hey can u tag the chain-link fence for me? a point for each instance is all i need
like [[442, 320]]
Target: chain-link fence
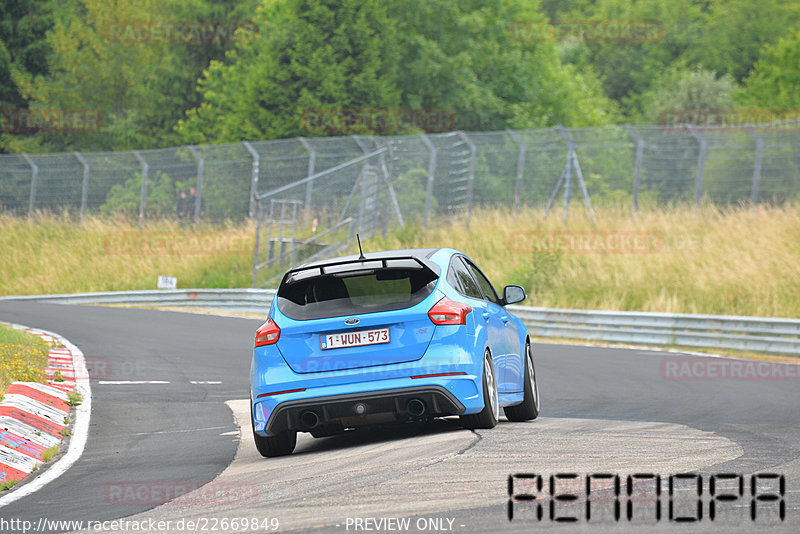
[[434, 174]]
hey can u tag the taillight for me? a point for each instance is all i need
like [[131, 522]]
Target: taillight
[[268, 333], [448, 311]]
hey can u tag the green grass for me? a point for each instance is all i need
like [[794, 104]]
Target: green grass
[[49, 453], [733, 261], [74, 398], [23, 357], [8, 484]]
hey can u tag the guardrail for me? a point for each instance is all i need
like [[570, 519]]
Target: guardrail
[[231, 300], [757, 334]]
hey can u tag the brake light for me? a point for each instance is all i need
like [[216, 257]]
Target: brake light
[[268, 333], [281, 392], [439, 374], [448, 311]]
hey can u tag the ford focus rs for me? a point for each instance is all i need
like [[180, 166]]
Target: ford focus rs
[[393, 336]]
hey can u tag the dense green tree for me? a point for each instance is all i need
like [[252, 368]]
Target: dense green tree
[[23, 46], [683, 92], [735, 32], [480, 59], [723, 36], [133, 62], [775, 82], [308, 56], [630, 66], [458, 58]]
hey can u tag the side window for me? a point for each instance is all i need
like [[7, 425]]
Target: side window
[[486, 286], [453, 279], [462, 281]]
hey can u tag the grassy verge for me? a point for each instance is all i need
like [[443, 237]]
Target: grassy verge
[[55, 254], [23, 357], [733, 261]]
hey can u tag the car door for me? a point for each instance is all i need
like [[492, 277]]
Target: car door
[[487, 311], [508, 357]]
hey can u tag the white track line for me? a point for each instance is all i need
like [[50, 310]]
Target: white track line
[[123, 382], [80, 432]]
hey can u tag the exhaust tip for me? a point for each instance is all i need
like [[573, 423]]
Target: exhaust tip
[[309, 419], [415, 407]]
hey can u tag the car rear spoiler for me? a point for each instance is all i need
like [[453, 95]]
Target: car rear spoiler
[[356, 265]]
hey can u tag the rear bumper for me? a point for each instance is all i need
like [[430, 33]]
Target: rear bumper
[[363, 409]]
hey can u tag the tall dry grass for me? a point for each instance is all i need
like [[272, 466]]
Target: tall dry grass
[[55, 254], [720, 261], [733, 261]]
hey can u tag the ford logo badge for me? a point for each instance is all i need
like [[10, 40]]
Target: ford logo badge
[[352, 321]]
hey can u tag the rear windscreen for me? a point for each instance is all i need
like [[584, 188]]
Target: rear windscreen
[[366, 291]]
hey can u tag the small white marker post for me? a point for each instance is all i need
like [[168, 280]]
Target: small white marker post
[[167, 282]]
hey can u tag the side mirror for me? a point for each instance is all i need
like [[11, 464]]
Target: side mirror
[[513, 294]]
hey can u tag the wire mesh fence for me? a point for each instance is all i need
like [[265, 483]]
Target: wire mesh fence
[[430, 174]]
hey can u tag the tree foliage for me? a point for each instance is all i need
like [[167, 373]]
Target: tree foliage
[[296, 60], [775, 81], [459, 58]]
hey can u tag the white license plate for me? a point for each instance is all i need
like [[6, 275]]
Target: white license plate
[[355, 339]]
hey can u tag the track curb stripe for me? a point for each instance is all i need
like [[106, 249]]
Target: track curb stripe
[[33, 416], [22, 445]]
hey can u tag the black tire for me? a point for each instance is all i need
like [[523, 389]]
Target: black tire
[[528, 409], [280, 445], [486, 418], [269, 447]]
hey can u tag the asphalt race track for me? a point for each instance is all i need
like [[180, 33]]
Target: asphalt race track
[[604, 411]]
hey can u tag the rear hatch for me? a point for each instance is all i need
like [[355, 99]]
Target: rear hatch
[[357, 313]]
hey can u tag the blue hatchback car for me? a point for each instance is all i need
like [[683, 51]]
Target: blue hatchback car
[[393, 336]]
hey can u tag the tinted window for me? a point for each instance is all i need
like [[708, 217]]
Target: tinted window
[[486, 286], [362, 292], [465, 283], [452, 279]]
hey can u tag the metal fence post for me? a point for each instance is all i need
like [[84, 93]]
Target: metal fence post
[[471, 185], [756, 166], [701, 164], [85, 186], [254, 179], [520, 168], [431, 173], [34, 182], [198, 202], [143, 192], [312, 164], [258, 242], [637, 177]]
